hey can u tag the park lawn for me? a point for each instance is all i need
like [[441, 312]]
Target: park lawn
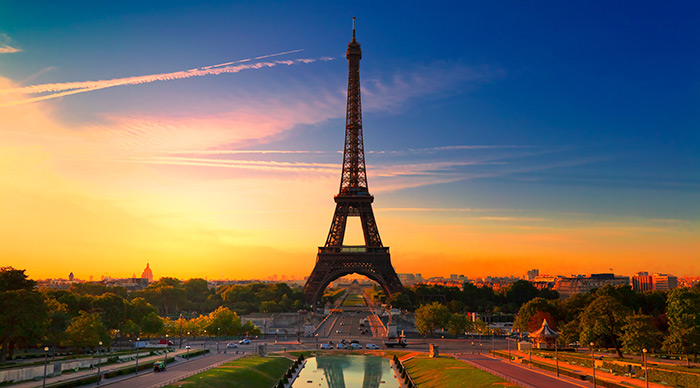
[[354, 300], [447, 372], [246, 372]]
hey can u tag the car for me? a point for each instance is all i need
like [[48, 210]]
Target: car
[[341, 346], [231, 345], [338, 331], [244, 341], [325, 346], [371, 346], [355, 346]]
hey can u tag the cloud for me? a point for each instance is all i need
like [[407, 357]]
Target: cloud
[[5, 47], [56, 90]]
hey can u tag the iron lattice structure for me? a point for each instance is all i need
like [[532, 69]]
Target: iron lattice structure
[[353, 200]]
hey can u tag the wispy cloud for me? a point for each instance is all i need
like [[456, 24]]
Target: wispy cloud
[[5, 47], [260, 165], [56, 90]]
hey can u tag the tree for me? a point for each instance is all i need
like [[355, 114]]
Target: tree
[[638, 333], [14, 280], [683, 314], [152, 324], [223, 321], [86, 330], [23, 311], [531, 308], [431, 317], [459, 324], [602, 321], [112, 310]]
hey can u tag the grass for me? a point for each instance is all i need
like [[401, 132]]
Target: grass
[[446, 372], [246, 372], [354, 300]]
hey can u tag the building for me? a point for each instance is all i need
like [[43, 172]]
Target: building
[[533, 273], [664, 282], [583, 284], [642, 282], [147, 273]]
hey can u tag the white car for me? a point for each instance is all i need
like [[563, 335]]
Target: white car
[[244, 341], [325, 346], [231, 345], [341, 346], [371, 346], [355, 346]]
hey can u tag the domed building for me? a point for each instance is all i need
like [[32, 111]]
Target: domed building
[[147, 274]]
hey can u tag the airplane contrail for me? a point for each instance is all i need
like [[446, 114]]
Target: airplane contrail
[[68, 88]]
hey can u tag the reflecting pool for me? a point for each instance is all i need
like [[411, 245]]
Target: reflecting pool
[[346, 371]]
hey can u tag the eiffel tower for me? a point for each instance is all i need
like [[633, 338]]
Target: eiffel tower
[[335, 259]]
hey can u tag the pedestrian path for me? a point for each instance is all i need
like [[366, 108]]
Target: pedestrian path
[[103, 369]]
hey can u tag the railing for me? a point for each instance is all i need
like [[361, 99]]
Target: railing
[[353, 249]]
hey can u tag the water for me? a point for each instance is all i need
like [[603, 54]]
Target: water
[[345, 371]]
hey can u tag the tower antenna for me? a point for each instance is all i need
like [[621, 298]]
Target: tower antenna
[[353, 28]]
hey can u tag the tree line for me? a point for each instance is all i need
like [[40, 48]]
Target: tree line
[[611, 316], [88, 313]]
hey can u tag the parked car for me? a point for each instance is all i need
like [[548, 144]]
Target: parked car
[[341, 346], [338, 331], [355, 346], [244, 341], [326, 346], [371, 346], [231, 345]]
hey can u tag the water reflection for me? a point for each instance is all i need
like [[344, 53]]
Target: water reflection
[[347, 371]]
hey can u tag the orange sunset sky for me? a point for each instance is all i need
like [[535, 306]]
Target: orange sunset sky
[[207, 142]]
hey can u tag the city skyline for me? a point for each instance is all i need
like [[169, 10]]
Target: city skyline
[[207, 139]]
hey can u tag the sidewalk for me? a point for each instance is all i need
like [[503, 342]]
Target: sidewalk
[[624, 380], [103, 369]]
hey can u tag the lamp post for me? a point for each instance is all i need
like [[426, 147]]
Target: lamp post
[[646, 371], [188, 352], [205, 334], [46, 360], [98, 363], [556, 355], [510, 359], [138, 339], [481, 347], [218, 329], [530, 353], [166, 351], [493, 340], [593, 359]]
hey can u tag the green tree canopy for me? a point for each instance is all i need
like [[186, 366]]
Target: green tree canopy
[[431, 317], [638, 333], [602, 321], [683, 314], [87, 330]]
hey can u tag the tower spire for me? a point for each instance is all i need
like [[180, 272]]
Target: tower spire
[[353, 28]]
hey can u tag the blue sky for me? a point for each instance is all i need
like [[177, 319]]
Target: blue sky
[[570, 114]]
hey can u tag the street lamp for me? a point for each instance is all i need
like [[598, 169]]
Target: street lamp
[[493, 340], [556, 355], [46, 360], [593, 359], [137, 354], [646, 371], [510, 358], [205, 334], [98, 363], [166, 351], [188, 352], [218, 329]]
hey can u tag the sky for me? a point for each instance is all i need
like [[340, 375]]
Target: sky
[[206, 138]]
